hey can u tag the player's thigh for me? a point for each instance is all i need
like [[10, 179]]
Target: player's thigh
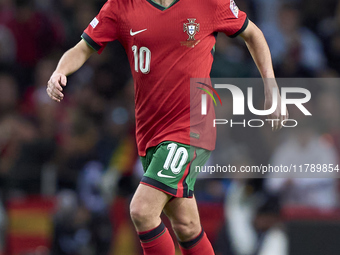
[[147, 203], [184, 217]]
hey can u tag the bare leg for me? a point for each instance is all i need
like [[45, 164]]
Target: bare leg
[[184, 218], [146, 207], [185, 221]]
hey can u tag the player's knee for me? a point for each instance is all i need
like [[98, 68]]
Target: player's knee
[[186, 230], [139, 213]]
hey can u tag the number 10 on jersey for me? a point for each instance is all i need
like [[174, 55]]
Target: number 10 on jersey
[[142, 58]]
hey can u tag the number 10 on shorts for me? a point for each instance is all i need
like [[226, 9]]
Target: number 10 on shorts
[[176, 158]]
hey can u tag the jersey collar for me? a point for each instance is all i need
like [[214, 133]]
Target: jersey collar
[[161, 7]]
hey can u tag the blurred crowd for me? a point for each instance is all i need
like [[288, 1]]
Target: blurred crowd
[[83, 151]]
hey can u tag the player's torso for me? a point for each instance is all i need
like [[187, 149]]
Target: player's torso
[[165, 49]]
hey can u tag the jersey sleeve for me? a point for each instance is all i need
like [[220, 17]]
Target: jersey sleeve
[[103, 28], [229, 19]]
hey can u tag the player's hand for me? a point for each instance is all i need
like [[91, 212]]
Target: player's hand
[[55, 86], [276, 118]]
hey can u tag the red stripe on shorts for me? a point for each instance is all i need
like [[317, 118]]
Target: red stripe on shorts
[[186, 172]]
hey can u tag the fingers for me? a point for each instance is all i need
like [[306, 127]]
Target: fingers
[[276, 121], [277, 125], [54, 88], [284, 118], [281, 119], [56, 85], [54, 94], [63, 80], [49, 93]]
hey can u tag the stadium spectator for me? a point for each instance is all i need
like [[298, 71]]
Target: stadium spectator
[[296, 50], [305, 147]]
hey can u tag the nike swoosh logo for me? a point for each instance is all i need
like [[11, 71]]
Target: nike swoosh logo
[[137, 32], [159, 174]]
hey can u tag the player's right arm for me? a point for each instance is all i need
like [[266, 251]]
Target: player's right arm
[[102, 29], [70, 62]]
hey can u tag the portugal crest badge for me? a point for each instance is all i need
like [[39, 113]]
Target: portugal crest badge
[[191, 28]]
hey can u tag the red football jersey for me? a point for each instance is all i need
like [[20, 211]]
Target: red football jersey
[[166, 47]]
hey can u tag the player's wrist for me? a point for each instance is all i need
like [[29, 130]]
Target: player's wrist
[[269, 84], [58, 72], [269, 87]]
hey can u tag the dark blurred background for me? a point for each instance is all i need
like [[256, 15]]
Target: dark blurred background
[[68, 170]]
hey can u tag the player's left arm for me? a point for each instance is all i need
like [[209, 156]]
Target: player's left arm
[[259, 50]]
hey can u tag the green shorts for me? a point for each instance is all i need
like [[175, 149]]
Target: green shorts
[[170, 167]]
